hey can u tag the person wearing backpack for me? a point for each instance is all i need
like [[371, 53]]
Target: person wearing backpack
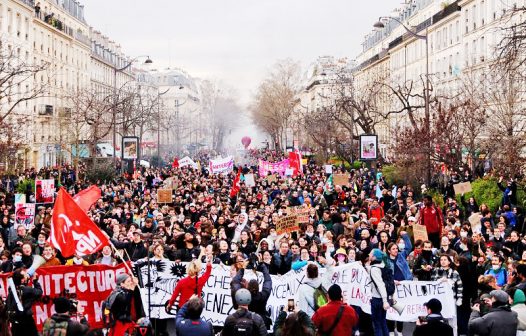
[[61, 324], [243, 322], [335, 318], [119, 303], [189, 322], [312, 294], [380, 286]]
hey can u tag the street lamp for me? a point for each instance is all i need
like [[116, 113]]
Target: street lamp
[[427, 119], [115, 71]]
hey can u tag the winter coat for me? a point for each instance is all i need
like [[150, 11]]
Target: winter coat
[[74, 328], [435, 326], [259, 327], [499, 321], [501, 275], [377, 284], [305, 293], [401, 259], [454, 278], [519, 306], [188, 327]]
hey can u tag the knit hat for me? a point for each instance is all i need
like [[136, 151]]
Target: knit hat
[[499, 296], [519, 297], [378, 254], [121, 278]]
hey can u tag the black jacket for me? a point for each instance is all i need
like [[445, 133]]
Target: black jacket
[[136, 251], [435, 326], [260, 329], [74, 328], [28, 295]]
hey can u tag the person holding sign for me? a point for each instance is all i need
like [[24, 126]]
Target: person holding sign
[[192, 284]]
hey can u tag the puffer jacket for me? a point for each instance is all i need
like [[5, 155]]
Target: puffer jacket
[[499, 321]]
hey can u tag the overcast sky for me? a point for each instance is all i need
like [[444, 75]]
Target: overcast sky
[[236, 41]]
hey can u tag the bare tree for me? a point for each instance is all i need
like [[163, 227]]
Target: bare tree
[[20, 81], [511, 49], [273, 104]]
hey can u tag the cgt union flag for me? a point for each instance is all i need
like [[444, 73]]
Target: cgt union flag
[[71, 229]]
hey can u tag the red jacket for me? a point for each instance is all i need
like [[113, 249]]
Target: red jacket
[[324, 317], [431, 217], [186, 287], [377, 213]]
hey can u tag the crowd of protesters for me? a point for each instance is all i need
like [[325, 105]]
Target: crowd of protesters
[[480, 252]]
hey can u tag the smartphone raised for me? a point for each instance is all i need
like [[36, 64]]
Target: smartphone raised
[[290, 305]]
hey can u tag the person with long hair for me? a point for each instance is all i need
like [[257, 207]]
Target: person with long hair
[[192, 284], [294, 324]]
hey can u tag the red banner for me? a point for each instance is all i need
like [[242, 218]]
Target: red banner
[[88, 285]]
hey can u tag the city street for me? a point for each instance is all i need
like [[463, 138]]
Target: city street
[[277, 167]]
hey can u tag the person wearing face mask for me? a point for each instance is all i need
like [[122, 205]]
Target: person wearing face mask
[[425, 262], [41, 242], [17, 259], [77, 260], [498, 271], [49, 255]]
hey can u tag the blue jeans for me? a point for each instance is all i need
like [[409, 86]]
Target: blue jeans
[[378, 314]]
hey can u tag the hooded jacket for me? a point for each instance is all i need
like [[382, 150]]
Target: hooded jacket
[[519, 306], [305, 293], [499, 321]]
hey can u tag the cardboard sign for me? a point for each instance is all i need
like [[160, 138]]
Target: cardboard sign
[[302, 214], [462, 188], [164, 196], [341, 179], [419, 232], [287, 224]]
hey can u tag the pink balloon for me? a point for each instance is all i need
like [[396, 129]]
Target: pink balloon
[[246, 141]]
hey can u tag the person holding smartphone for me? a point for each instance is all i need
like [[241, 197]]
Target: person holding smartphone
[[433, 323]]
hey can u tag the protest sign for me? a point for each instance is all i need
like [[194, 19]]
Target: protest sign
[[187, 162], [328, 169], [89, 285], [419, 232], [302, 215], [45, 191], [25, 215], [265, 167], [221, 165], [287, 224], [462, 188], [249, 180], [353, 278], [20, 198], [164, 196], [341, 179]]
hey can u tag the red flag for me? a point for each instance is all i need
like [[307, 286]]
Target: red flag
[[71, 229], [236, 186], [175, 164], [295, 163], [85, 198]]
